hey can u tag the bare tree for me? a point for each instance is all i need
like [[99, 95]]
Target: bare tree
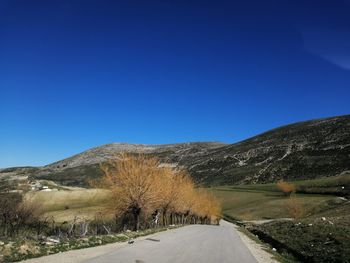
[[139, 185], [133, 184], [295, 207]]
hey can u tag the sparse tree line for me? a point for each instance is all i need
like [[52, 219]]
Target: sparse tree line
[[147, 194], [142, 194]]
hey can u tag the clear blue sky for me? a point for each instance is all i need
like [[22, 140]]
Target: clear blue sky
[[77, 74]]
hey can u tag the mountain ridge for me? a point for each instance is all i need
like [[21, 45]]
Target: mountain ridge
[[302, 150]]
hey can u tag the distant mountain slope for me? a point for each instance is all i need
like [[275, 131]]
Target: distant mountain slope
[[75, 170], [169, 152], [302, 150]]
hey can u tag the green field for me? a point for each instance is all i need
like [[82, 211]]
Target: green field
[[265, 201], [322, 235], [334, 182], [250, 204]]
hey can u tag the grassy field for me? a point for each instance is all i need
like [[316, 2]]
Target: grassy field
[[250, 204], [326, 182], [65, 205], [242, 202], [265, 201]]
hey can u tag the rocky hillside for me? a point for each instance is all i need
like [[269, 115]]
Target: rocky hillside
[[298, 151], [303, 150], [76, 169]]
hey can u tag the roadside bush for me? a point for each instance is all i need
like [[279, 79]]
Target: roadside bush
[[9, 203], [18, 215], [295, 207]]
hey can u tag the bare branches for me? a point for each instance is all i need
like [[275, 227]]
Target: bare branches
[[295, 207], [139, 185]]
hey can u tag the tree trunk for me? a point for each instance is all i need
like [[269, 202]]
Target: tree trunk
[[164, 218], [136, 221]]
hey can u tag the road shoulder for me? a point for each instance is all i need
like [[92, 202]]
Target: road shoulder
[[83, 254], [257, 250]]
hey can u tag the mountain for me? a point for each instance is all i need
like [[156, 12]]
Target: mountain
[[302, 150], [76, 169]]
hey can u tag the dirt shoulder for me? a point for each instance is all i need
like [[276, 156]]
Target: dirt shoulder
[[261, 255]]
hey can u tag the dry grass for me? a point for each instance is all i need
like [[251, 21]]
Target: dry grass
[[87, 213], [65, 205]]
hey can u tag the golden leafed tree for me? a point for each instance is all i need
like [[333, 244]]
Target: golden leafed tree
[[170, 181], [286, 188], [140, 185], [133, 181], [187, 198], [207, 206]]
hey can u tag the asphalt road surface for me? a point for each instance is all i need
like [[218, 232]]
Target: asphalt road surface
[[189, 244]]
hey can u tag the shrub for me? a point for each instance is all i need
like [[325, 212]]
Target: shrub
[[286, 188], [295, 207]]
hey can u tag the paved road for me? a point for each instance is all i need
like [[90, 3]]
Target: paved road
[[190, 244]]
